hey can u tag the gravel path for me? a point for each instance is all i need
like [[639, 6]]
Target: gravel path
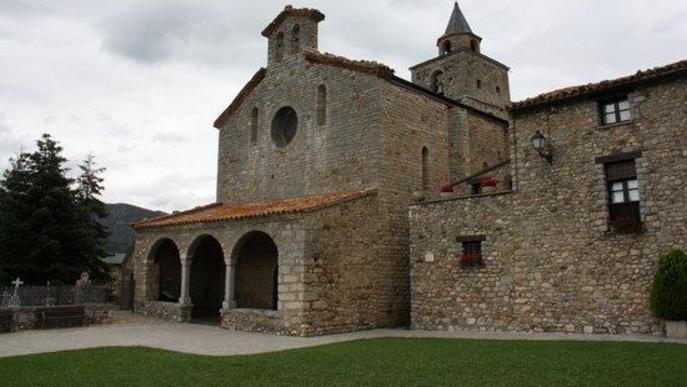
[[134, 330]]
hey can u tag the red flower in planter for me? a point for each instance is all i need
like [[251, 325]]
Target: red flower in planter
[[488, 182], [471, 258], [447, 188]]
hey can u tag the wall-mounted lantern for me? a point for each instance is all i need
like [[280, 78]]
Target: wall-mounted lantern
[[541, 145]]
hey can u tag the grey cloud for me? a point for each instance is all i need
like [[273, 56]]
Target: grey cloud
[[162, 31]]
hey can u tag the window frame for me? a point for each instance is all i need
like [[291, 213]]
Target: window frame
[[623, 215], [617, 112]]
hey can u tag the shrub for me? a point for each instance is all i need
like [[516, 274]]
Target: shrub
[[669, 290], [488, 182]]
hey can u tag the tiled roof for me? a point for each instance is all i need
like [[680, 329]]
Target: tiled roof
[[576, 91], [290, 11], [363, 66], [220, 212], [243, 94]]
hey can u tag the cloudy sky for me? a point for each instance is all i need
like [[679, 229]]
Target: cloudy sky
[[139, 82]]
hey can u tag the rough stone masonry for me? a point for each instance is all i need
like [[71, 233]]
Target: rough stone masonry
[[321, 156]]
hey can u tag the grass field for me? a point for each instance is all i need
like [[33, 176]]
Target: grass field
[[390, 362]]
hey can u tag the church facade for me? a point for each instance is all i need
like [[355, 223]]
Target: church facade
[[329, 216]]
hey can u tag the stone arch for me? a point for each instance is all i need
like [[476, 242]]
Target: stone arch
[[206, 282], [321, 105], [426, 180], [165, 273], [279, 47], [256, 257], [254, 126], [296, 39], [438, 82]]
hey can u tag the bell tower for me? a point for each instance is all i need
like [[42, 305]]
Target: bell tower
[[461, 72]]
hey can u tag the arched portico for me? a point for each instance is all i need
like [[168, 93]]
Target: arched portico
[[206, 280], [256, 272], [165, 273]]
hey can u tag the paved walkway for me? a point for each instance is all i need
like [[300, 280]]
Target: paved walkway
[[135, 330]]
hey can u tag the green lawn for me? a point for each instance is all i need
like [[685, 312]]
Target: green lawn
[[391, 362]]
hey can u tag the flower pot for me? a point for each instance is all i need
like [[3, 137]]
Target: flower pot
[[488, 189], [676, 329]]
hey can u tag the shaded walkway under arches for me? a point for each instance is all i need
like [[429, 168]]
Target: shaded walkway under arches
[[207, 278], [167, 274], [257, 270]]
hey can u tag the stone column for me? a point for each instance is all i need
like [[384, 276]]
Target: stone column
[[229, 302], [185, 299]]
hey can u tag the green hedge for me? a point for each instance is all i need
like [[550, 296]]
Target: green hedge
[[669, 291]]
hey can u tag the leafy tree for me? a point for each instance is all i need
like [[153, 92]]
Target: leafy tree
[[46, 228], [669, 291]]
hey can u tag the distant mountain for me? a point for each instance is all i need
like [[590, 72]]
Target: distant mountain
[[118, 224]]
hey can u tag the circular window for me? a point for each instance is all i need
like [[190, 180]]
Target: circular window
[[284, 126]]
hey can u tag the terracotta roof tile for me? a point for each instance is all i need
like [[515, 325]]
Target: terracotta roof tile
[[290, 11], [363, 66], [575, 91], [220, 212]]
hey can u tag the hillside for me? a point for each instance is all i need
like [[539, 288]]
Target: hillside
[[117, 222]]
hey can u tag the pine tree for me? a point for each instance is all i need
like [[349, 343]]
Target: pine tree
[[46, 227], [94, 211]]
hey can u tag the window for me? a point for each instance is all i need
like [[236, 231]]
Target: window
[[322, 105], [447, 47], [498, 90], [623, 190], [479, 83], [279, 47], [254, 126], [615, 111], [473, 45], [296, 39], [426, 185], [471, 246], [438, 82], [476, 188], [284, 126]]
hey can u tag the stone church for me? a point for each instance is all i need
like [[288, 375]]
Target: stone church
[[329, 217]]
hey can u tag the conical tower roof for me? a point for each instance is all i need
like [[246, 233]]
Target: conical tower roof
[[458, 24]]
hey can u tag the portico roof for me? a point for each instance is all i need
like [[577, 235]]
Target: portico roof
[[219, 212]]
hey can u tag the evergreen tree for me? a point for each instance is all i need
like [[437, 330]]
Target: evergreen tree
[[94, 211], [46, 227]]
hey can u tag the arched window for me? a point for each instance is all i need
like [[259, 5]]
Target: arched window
[[438, 82], [254, 127], [473, 45], [284, 126], [426, 184], [296, 39], [279, 47], [447, 47], [322, 105]]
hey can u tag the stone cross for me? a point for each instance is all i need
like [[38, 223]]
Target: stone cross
[[17, 283]]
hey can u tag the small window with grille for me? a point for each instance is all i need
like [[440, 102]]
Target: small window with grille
[[471, 254]]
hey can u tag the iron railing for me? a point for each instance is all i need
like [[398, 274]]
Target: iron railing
[[52, 295]]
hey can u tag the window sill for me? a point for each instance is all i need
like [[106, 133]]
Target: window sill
[[619, 124]]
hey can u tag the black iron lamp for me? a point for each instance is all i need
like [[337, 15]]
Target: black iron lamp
[[541, 145]]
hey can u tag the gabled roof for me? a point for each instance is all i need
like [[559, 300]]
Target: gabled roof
[[312, 14], [362, 66], [243, 94], [221, 212], [600, 87], [457, 24]]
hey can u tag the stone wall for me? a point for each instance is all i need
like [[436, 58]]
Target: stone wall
[[462, 69], [339, 156], [551, 260], [30, 317]]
